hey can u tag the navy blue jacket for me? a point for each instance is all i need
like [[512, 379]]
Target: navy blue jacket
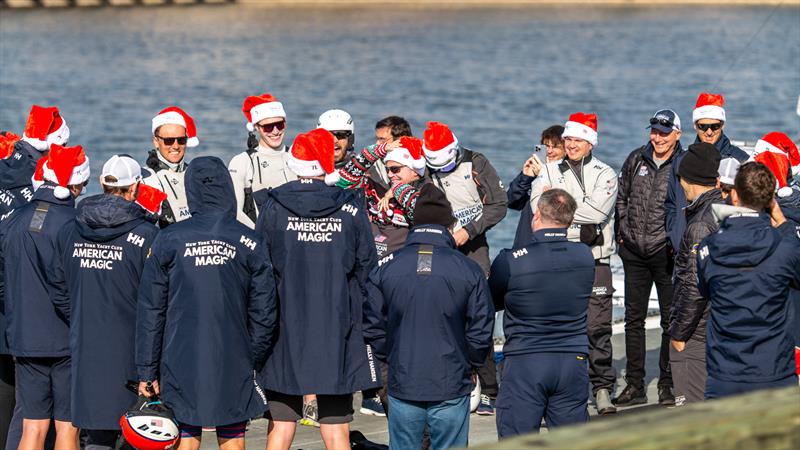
[[544, 288], [206, 307], [16, 172], [519, 198], [676, 198], [429, 314], [320, 243], [27, 247], [790, 206], [95, 277], [746, 271]]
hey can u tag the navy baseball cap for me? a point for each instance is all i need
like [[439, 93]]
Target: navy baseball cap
[[665, 121]]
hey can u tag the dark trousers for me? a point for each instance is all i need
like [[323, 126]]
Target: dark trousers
[[487, 374], [6, 396], [640, 274], [598, 327], [689, 372]]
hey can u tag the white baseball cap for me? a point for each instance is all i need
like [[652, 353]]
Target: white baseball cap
[[728, 168], [124, 168]]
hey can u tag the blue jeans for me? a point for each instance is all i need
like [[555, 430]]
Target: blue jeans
[[448, 422]]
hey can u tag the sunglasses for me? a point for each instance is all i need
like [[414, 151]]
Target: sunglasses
[[271, 126], [664, 122], [707, 126], [394, 169], [171, 140], [341, 134]]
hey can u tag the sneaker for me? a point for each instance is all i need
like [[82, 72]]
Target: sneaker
[[603, 402], [310, 414], [665, 396], [486, 406], [372, 407], [630, 396]]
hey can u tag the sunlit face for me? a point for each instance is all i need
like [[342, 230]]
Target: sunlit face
[[271, 131], [664, 142], [167, 140], [709, 135], [576, 148], [383, 135], [341, 140], [400, 174], [555, 150]]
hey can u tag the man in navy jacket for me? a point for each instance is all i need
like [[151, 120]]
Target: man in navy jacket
[[544, 288], [35, 333], [319, 239], [95, 276], [746, 271], [206, 313], [429, 315]]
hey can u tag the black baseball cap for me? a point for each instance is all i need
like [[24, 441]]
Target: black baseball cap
[[665, 120]]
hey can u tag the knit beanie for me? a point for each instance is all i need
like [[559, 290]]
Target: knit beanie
[[700, 165], [432, 207]]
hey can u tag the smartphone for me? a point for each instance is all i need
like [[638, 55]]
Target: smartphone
[[540, 148]]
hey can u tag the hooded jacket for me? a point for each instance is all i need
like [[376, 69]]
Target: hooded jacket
[[206, 307], [430, 315], [16, 172], [170, 180], [689, 309], [320, 243], [790, 206], [33, 326], [675, 201], [746, 271], [640, 202], [544, 288], [95, 277]]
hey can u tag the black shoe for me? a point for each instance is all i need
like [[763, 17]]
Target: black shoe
[[665, 396], [630, 396]]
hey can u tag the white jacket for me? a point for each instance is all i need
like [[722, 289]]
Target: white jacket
[[596, 196], [262, 169]]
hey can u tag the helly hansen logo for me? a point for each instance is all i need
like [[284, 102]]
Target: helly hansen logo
[[135, 239], [348, 208], [249, 243], [520, 252], [704, 252], [386, 259]]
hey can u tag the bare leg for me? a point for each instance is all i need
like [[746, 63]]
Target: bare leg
[[34, 433], [335, 436], [231, 444], [281, 434], [66, 436], [189, 443]]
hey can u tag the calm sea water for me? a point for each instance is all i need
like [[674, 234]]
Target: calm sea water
[[497, 76]]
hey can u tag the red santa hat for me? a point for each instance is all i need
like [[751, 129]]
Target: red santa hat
[[408, 154], [709, 106], [439, 145], [259, 107], [150, 198], [581, 126], [777, 151], [45, 126], [777, 141], [7, 141], [65, 166], [37, 180], [312, 156], [176, 116]]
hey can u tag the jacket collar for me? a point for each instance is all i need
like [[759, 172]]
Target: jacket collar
[[746, 219], [432, 235], [45, 194], [712, 196], [550, 235], [156, 162], [647, 152], [563, 166]]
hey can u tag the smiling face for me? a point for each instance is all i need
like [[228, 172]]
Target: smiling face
[[576, 148], [555, 150], [341, 142], [663, 143], [709, 135], [400, 174], [383, 135], [172, 134], [271, 132]]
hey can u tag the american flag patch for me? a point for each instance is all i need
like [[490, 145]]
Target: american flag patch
[[156, 423]]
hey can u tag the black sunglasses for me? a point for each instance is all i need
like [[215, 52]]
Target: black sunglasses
[[267, 128], [341, 134], [171, 140], [394, 169], [665, 122], [706, 126]]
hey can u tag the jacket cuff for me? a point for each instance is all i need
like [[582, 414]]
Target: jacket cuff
[[147, 373], [470, 229]]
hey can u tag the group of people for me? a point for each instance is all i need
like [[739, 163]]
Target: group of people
[[295, 276]]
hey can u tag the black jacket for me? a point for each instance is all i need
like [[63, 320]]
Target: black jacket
[[319, 240], [430, 315], [689, 310], [519, 199], [96, 273], [640, 201], [206, 307], [16, 172]]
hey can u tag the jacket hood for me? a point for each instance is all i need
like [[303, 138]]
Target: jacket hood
[[745, 240], [104, 217], [311, 198], [16, 170], [790, 206], [209, 188], [432, 235]]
